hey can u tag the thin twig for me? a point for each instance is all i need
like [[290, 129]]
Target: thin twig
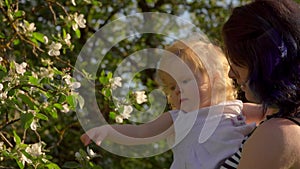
[[52, 11], [62, 132], [4, 138], [9, 123], [62, 7], [39, 137], [24, 135]]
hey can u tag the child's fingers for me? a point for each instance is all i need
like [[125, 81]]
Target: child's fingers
[[85, 139], [96, 134], [98, 139]]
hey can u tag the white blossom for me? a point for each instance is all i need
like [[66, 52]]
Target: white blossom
[[77, 155], [47, 62], [27, 27], [90, 152], [46, 72], [1, 59], [140, 97], [67, 39], [67, 79], [3, 95], [1, 86], [126, 112], [33, 125], [74, 26], [21, 68], [79, 21], [72, 85], [35, 149], [119, 119], [75, 85], [73, 2], [30, 27], [54, 49], [115, 82], [45, 40], [34, 74], [20, 92], [65, 108], [25, 159]]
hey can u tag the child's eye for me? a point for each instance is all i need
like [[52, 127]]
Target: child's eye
[[185, 81]]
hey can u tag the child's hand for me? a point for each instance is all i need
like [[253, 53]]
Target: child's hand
[[97, 134]]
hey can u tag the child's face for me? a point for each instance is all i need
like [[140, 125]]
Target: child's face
[[185, 89]]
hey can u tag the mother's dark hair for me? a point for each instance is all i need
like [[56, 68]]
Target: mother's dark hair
[[265, 37]]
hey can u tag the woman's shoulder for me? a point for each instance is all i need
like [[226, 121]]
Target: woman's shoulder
[[274, 143], [280, 130], [280, 127]]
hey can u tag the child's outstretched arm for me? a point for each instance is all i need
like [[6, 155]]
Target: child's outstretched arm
[[131, 134]]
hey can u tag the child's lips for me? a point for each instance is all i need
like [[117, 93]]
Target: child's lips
[[182, 100]]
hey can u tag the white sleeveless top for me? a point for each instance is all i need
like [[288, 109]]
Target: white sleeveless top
[[227, 130]]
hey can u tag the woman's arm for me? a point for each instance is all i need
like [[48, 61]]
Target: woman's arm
[[131, 134]]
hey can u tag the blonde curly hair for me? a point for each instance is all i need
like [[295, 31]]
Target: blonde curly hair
[[207, 59]]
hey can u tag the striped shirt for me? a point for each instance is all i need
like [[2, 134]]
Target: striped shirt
[[233, 161]]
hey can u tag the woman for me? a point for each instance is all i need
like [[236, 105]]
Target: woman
[[262, 43]]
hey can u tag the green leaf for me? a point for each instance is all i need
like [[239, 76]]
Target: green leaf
[[26, 100], [8, 2], [11, 92], [71, 100], [26, 119], [109, 75], [33, 80], [2, 75], [103, 80], [16, 41], [52, 112], [3, 68], [64, 33], [34, 41], [16, 138], [38, 36], [59, 106], [20, 164], [19, 13], [106, 92], [78, 33], [52, 166], [41, 116], [62, 98], [2, 36], [112, 115], [71, 164]]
